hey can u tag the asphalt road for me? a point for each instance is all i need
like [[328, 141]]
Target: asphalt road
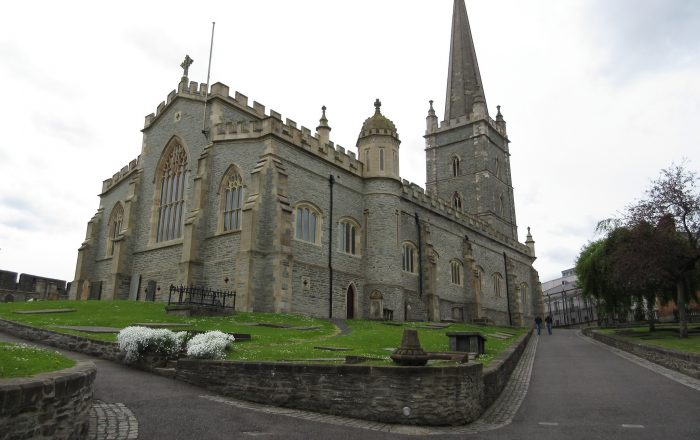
[[577, 390]]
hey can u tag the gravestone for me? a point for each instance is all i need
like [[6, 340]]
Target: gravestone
[[134, 287], [151, 290], [95, 290]]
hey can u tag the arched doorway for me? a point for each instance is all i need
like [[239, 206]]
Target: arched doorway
[[350, 302]]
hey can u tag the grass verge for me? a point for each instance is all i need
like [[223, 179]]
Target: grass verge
[[372, 339], [20, 360], [666, 336]]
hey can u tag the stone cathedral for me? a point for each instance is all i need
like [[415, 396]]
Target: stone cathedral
[[291, 222]]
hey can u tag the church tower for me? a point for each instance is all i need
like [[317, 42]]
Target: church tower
[[467, 154]]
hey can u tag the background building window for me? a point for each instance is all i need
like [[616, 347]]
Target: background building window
[[171, 203], [456, 267]]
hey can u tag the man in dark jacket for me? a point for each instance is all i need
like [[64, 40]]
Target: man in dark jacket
[[538, 324]]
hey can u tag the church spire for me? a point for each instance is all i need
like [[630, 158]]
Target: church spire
[[464, 88]]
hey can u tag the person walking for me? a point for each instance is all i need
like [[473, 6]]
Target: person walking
[[548, 321], [538, 324]]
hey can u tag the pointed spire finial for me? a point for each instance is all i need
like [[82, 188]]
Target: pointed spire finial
[[464, 87], [499, 118], [323, 127]]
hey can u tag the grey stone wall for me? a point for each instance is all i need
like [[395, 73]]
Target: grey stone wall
[[433, 396], [102, 349], [686, 363], [375, 204], [51, 405], [497, 374]]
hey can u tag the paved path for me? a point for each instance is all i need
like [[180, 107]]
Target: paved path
[[566, 386]]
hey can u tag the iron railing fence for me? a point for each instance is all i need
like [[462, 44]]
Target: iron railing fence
[[202, 296]]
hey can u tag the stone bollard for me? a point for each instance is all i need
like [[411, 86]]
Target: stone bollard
[[410, 352]]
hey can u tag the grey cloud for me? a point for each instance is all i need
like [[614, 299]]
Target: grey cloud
[[644, 36], [74, 132]]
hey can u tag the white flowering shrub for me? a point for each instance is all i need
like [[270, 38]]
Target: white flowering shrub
[[135, 341], [209, 345]]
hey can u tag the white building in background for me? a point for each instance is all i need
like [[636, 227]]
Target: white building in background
[[565, 302]]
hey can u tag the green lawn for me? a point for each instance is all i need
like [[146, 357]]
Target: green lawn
[[20, 360], [666, 335], [367, 338]]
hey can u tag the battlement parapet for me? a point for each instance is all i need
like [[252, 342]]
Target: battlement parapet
[[120, 175], [288, 130], [271, 123], [431, 201], [463, 120]]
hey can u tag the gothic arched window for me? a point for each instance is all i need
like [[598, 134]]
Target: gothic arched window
[[410, 256], [170, 191], [457, 201], [456, 166], [456, 270], [349, 236], [231, 191], [497, 285], [308, 223], [115, 226], [524, 298]]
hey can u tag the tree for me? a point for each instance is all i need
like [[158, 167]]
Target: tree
[[642, 262], [594, 271], [673, 203]]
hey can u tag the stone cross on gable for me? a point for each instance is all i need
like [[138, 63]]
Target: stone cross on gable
[[186, 65]]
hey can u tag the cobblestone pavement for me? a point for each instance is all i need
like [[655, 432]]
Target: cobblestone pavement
[[688, 381], [498, 415], [112, 421]]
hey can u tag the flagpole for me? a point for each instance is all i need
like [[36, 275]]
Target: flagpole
[[206, 97]]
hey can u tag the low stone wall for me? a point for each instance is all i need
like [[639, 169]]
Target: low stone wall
[[685, 363], [406, 395], [498, 372], [49, 405], [102, 349]]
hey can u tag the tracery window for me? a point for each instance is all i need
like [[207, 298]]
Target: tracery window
[[171, 203], [456, 270], [455, 166], [349, 236], [115, 226], [231, 199], [307, 223], [410, 255]]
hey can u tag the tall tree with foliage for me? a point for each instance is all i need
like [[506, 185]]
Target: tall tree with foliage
[[674, 198], [594, 271]]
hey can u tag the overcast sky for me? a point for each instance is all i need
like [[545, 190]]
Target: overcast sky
[[599, 95]]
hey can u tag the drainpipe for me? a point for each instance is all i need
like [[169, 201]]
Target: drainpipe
[[331, 181], [505, 265], [420, 259]]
